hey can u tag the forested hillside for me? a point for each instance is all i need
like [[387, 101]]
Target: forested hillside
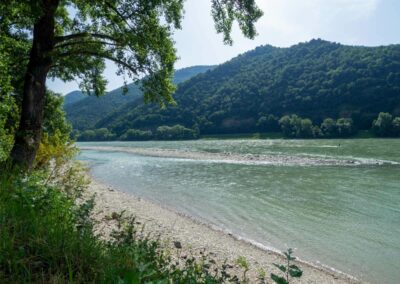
[[84, 112], [73, 97], [314, 80]]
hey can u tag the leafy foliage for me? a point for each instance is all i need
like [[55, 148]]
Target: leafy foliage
[[136, 35], [8, 118], [137, 135], [386, 126], [47, 237], [176, 132], [225, 12], [101, 134], [289, 270], [295, 127], [244, 264], [72, 40]]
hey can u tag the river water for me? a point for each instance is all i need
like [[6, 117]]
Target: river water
[[336, 201]]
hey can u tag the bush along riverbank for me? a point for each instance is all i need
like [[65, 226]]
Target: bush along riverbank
[[288, 126], [47, 236]]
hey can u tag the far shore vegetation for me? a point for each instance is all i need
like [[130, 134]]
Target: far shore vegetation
[[291, 127]]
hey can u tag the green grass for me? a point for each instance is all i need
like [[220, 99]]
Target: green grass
[[45, 237]]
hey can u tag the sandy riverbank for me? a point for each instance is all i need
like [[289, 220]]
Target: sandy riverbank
[[196, 237]]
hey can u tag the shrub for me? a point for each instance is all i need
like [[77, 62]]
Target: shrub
[[8, 124], [101, 134], [176, 132], [328, 128], [47, 236], [344, 127], [268, 123], [382, 125], [295, 127], [396, 126], [137, 135], [289, 270]]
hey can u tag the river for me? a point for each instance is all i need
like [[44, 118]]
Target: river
[[336, 201]]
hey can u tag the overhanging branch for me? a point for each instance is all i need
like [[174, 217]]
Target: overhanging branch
[[101, 55], [118, 13], [83, 42], [59, 39]]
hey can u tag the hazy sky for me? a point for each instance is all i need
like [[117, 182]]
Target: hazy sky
[[285, 22]]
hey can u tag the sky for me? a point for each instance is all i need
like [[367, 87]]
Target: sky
[[285, 23]]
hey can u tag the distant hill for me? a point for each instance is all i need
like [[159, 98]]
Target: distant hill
[[316, 80], [73, 97], [84, 112], [184, 74]]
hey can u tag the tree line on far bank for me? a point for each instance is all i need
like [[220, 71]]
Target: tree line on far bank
[[176, 132], [290, 126]]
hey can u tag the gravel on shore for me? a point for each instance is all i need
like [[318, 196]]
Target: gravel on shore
[[197, 238], [234, 158]]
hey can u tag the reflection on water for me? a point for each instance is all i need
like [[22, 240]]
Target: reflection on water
[[340, 216]]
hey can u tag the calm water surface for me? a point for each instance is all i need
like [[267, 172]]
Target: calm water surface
[[346, 217]]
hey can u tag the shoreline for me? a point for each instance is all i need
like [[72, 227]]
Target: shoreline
[[199, 237]]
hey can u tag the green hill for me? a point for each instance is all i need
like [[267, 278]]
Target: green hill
[[315, 80], [73, 97], [251, 92], [84, 112]]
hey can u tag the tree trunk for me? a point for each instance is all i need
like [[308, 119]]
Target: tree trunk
[[29, 133]]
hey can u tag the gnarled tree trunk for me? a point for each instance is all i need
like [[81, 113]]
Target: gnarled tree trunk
[[29, 133]]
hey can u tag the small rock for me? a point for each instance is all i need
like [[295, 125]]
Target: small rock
[[114, 215], [177, 245]]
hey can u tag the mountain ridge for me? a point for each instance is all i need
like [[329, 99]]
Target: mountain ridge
[[83, 117], [316, 79]]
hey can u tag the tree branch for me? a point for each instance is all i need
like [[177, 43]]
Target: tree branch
[[115, 10], [59, 39], [105, 56], [71, 43]]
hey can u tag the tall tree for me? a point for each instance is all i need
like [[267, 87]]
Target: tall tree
[[382, 126], [71, 39]]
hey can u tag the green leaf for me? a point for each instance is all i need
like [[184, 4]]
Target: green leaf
[[295, 271], [131, 277], [289, 256], [278, 280], [281, 267]]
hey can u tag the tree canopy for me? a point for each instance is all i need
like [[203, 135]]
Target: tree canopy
[[71, 39], [134, 34]]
